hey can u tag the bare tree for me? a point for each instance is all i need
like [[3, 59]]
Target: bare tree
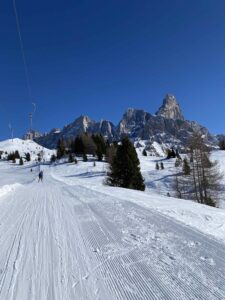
[[202, 181], [205, 174]]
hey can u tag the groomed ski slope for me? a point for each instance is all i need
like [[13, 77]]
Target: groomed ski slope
[[72, 238]]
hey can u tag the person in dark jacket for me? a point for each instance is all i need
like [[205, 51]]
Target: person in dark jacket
[[40, 176]]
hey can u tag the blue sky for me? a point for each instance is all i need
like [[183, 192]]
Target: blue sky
[[100, 57]]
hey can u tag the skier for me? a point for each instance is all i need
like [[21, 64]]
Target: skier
[[40, 176]]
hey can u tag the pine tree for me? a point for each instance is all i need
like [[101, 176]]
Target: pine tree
[[125, 168], [89, 144], [100, 144], [177, 163], [186, 168], [78, 146], [144, 152], [27, 155], [99, 155], [168, 153], [110, 153], [17, 155], [157, 166], [53, 158], [222, 143], [61, 150], [70, 158], [171, 153], [11, 156]]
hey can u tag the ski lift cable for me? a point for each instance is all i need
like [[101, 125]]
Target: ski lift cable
[[22, 50]]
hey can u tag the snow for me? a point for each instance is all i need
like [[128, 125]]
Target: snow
[[24, 146], [207, 219], [159, 149], [5, 189], [72, 237]]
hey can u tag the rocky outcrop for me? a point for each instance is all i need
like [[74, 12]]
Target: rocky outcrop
[[170, 109], [133, 123], [105, 128]]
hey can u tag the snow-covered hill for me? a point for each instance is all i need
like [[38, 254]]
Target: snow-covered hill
[[24, 146], [162, 181]]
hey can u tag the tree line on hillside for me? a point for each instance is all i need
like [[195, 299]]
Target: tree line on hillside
[[13, 156], [83, 145], [197, 177], [124, 165]]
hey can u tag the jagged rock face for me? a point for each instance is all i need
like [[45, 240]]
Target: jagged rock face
[[48, 140], [167, 126], [133, 123], [170, 109], [105, 128], [79, 126], [140, 124]]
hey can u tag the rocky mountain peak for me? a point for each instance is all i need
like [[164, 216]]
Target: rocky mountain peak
[[83, 119], [83, 122], [167, 126], [136, 115], [170, 108]]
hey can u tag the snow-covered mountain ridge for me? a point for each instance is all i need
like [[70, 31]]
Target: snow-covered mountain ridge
[[167, 126]]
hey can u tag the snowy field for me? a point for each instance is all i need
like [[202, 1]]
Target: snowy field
[[24, 146], [72, 237]]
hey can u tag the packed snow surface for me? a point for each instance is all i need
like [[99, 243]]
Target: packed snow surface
[[71, 237]]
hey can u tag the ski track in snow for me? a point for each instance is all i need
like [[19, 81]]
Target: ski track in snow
[[70, 242]]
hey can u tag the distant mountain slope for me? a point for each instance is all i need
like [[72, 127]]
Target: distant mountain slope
[[24, 146], [167, 126]]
